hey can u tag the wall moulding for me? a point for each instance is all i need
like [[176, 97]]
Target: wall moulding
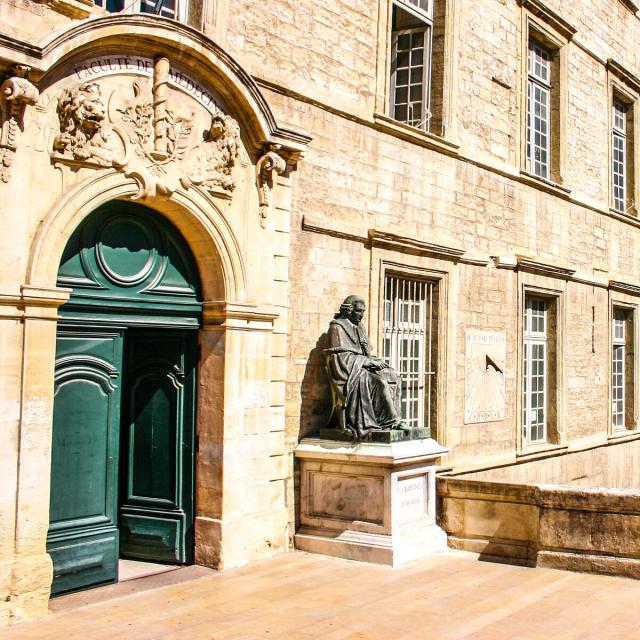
[[628, 78], [550, 17], [553, 271], [238, 316], [624, 287]]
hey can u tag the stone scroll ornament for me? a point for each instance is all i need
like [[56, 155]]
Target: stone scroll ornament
[[366, 390], [268, 165], [144, 135], [16, 93]]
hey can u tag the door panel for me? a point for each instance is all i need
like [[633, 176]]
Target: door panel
[[156, 516], [82, 537]]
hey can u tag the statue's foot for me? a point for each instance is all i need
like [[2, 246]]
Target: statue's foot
[[402, 426]]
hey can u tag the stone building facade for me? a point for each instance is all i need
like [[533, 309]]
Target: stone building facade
[[232, 171]]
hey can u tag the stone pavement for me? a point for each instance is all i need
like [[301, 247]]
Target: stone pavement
[[301, 596]]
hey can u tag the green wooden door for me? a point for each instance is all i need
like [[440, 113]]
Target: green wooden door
[[123, 418], [83, 534], [156, 514]]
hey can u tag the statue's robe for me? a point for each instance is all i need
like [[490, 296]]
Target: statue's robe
[[372, 398]]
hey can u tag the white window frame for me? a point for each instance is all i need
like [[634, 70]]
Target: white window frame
[[415, 328], [618, 376], [538, 84], [619, 165], [535, 339], [426, 29]]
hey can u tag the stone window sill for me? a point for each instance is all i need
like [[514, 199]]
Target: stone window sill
[[542, 183], [407, 132], [544, 450], [623, 436], [632, 215]]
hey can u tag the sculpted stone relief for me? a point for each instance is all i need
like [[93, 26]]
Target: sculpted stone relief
[[16, 93], [159, 141]]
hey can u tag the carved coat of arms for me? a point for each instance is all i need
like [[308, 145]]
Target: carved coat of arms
[[145, 135]]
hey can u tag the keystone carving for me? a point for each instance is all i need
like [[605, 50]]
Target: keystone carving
[[147, 138], [16, 93], [270, 164], [85, 132]]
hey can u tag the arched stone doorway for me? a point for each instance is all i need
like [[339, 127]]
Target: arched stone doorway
[[122, 472]]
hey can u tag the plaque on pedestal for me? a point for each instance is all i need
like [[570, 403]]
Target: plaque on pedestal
[[369, 501]]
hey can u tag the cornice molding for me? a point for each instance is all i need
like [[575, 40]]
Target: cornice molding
[[624, 287], [553, 271], [550, 17]]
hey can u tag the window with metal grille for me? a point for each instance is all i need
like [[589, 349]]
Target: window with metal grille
[[618, 369], [538, 109], [166, 8], [410, 344], [535, 370], [411, 41]]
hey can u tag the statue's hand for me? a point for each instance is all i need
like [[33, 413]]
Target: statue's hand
[[375, 364]]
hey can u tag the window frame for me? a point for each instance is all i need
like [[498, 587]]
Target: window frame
[[427, 62], [554, 35], [543, 85], [531, 340], [536, 284], [619, 134], [630, 423], [623, 90]]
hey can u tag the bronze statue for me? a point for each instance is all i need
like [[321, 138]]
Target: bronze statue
[[366, 390]]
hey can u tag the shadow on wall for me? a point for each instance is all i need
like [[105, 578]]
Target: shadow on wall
[[315, 401]]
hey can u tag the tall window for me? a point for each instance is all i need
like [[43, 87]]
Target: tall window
[[410, 330], [622, 369], [622, 161], [166, 8], [412, 32], [539, 110], [535, 369]]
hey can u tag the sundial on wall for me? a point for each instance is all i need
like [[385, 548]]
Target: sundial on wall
[[484, 376]]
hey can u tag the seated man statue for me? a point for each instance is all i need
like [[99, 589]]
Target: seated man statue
[[366, 389]]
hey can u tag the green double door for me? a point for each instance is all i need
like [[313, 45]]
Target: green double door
[[122, 469]]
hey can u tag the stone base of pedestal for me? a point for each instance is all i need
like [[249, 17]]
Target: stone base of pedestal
[[372, 502]]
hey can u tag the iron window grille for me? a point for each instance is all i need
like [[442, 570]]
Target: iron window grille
[[409, 341]]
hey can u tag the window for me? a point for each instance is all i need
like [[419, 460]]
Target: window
[[166, 8], [622, 165], [535, 370], [410, 331], [417, 70], [539, 110], [622, 369]]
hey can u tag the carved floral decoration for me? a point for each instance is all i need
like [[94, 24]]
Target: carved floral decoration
[[16, 92], [146, 138]]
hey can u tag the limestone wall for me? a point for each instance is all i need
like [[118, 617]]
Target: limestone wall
[[572, 528]]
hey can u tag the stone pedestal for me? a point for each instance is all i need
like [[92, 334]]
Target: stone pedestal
[[369, 501]]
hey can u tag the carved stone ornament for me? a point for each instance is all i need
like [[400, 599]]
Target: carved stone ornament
[[145, 136], [16, 93], [268, 165]]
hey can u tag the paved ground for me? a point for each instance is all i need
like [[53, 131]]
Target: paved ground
[[303, 596]]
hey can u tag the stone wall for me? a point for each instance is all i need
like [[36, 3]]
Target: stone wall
[[572, 528]]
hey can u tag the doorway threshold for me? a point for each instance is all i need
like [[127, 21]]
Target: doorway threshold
[[169, 575], [134, 569]]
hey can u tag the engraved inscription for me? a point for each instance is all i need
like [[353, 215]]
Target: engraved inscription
[[412, 497]]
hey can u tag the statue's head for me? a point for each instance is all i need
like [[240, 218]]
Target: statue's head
[[353, 308], [82, 108]]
